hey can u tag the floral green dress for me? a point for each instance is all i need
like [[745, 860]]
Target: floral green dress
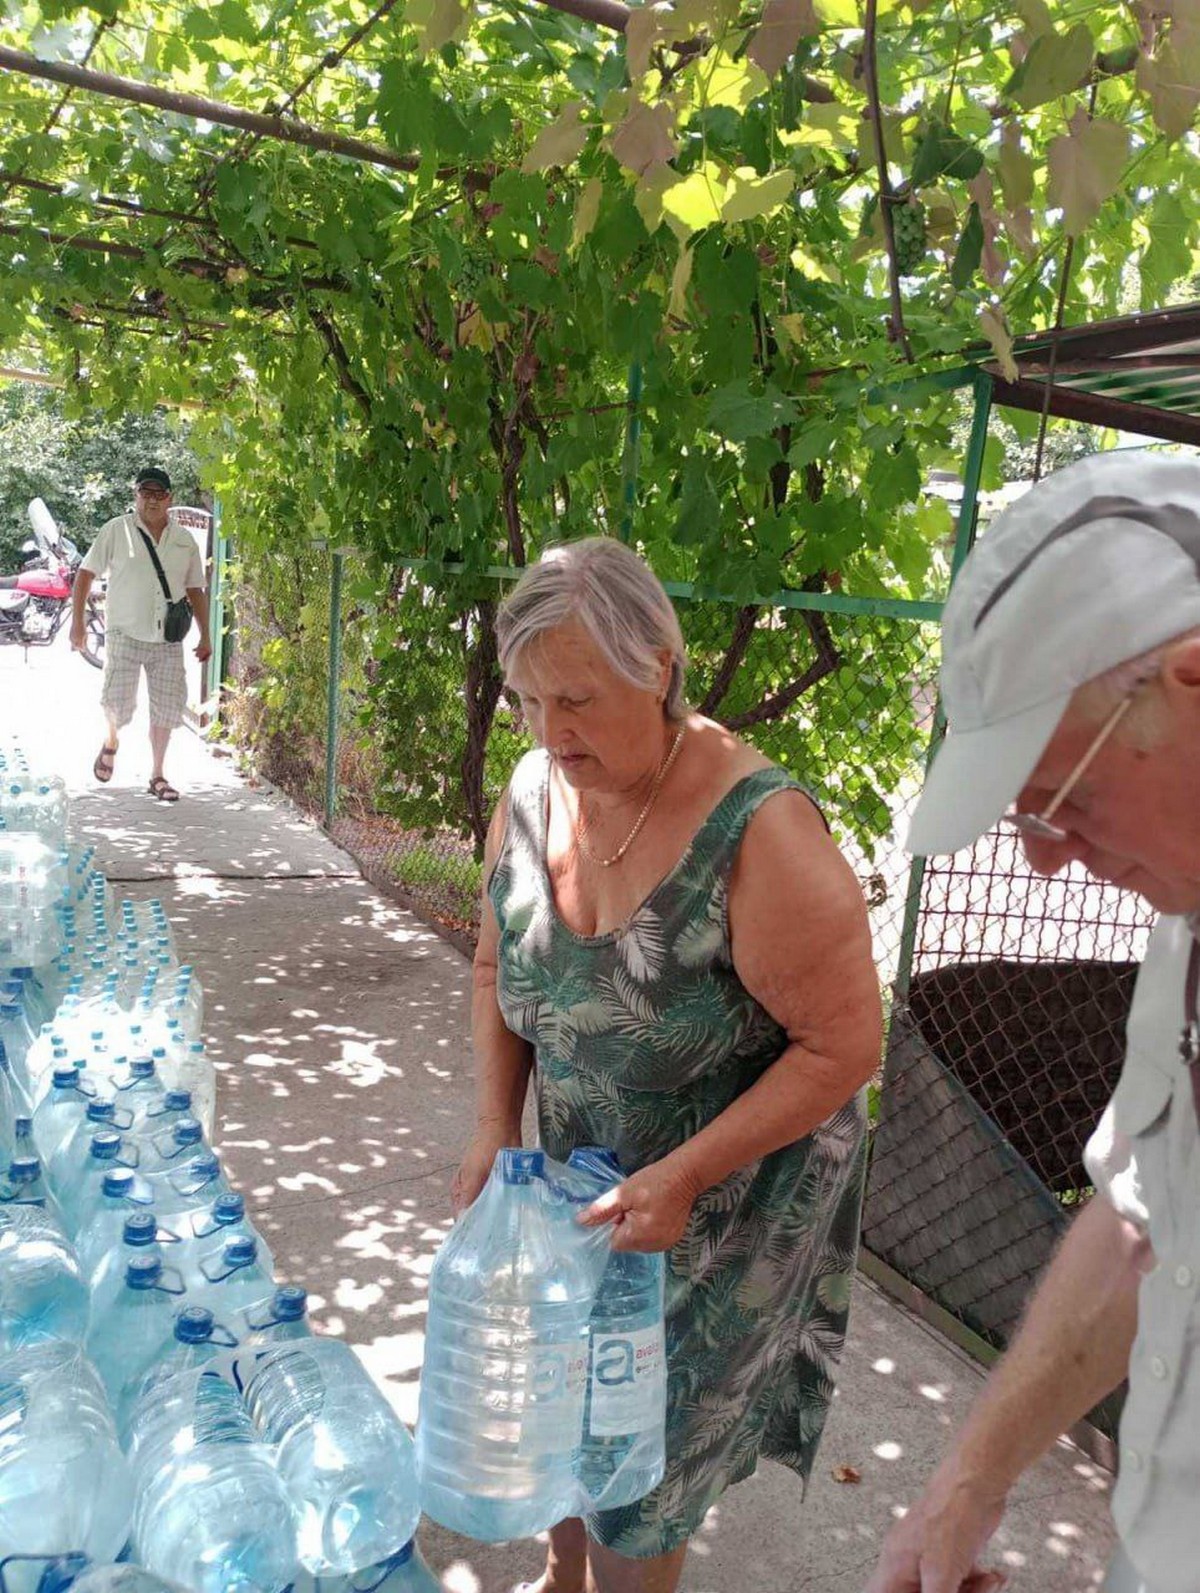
[[641, 1038]]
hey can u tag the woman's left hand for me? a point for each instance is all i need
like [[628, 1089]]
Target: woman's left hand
[[649, 1211]]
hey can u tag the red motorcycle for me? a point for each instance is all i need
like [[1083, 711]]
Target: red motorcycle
[[36, 603]]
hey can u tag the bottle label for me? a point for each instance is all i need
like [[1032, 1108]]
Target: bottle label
[[552, 1419], [628, 1382]]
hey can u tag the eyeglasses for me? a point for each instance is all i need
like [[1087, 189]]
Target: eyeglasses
[[1038, 825], [153, 492]]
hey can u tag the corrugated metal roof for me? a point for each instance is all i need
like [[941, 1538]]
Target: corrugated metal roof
[[1140, 374]]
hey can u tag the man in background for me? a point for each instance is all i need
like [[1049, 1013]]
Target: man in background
[[136, 611]]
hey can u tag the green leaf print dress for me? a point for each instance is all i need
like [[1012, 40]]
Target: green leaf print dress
[[641, 1038]]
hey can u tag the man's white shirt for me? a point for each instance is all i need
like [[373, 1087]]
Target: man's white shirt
[[1144, 1158], [135, 605]]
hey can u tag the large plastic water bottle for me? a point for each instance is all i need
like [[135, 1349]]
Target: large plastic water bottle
[[279, 1320], [83, 1186], [13, 1104], [232, 1279], [66, 1165], [198, 1182], [24, 1185], [623, 1454], [121, 1195], [139, 1237], [172, 1147], [210, 1509], [506, 1354], [159, 1116], [203, 1230], [141, 1087], [59, 1110], [344, 1456], [404, 1572], [129, 1335], [42, 1292], [64, 1483]]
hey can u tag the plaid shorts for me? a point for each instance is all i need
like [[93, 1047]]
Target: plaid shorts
[[163, 662]]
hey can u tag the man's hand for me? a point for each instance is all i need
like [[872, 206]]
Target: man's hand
[[203, 648], [78, 635], [936, 1547], [649, 1211]]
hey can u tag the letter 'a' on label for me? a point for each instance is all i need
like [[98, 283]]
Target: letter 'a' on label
[[628, 1383]]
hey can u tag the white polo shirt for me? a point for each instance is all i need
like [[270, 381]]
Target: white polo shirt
[[1145, 1159], [135, 605]]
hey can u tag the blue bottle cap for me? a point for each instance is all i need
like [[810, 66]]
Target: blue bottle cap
[[177, 1100], [289, 1303], [229, 1208], [63, 1078], [142, 1067], [24, 1169], [206, 1166], [193, 1325], [101, 1111], [521, 1166], [159, 1051], [106, 1145], [143, 1272], [187, 1131], [22, 1127], [241, 1251], [117, 1183], [140, 1228]]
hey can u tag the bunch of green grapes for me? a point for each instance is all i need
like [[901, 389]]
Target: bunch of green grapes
[[910, 233]]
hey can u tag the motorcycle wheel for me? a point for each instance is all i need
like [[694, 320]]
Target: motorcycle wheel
[[93, 644]]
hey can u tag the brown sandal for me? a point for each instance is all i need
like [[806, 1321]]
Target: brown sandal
[[103, 766], [163, 790]]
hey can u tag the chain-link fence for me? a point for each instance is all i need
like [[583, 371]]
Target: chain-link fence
[[1007, 994]]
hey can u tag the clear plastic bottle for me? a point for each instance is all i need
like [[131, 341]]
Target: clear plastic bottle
[[129, 1335], [279, 1320], [171, 1147], [506, 1354], [233, 1279], [64, 1483], [83, 1186], [210, 1509], [24, 1185], [43, 1295], [121, 1195], [202, 1230], [159, 1116], [141, 1087], [139, 1237], [197, 1183], [623, 1454], [344, 1456], [99, 1114], [59, 1110]]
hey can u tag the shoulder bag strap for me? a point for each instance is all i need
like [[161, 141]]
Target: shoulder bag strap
[[158, 569]]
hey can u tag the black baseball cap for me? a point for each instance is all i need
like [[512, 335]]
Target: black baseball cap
[[153, 476]]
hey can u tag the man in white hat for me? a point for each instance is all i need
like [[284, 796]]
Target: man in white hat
[[1071, 681]]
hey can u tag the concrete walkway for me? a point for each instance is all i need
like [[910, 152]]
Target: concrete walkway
[[340, 1027]]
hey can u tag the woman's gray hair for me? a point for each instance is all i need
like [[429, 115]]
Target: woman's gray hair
[[617, 598]]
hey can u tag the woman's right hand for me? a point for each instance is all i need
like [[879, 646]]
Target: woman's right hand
[[477, 1162]]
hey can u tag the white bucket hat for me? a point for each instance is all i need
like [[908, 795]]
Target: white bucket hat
[[1095, 565]]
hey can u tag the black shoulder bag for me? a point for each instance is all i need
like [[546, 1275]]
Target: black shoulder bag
[[178, 619]]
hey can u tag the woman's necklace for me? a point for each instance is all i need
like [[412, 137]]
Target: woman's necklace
[[664, 770]]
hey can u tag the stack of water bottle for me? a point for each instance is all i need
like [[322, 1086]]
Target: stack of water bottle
[[161, 1399]]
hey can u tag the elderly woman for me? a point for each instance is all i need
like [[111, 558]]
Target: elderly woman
[[674, 947]]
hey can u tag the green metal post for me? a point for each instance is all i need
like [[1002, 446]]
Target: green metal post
[[633, 442], [216, 613], [964, 539], [333, 693]]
